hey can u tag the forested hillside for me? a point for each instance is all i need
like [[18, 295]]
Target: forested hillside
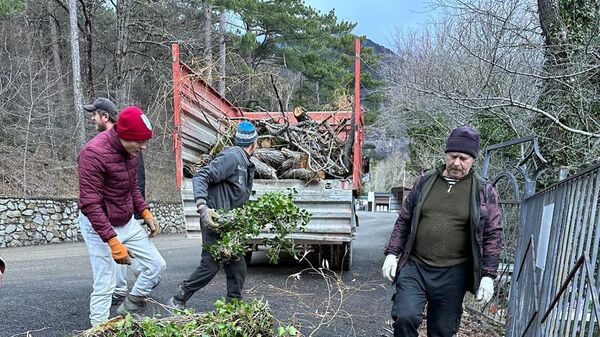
[[511, 68], [263, 56]]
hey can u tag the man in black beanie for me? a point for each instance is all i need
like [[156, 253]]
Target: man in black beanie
[[447, 240]]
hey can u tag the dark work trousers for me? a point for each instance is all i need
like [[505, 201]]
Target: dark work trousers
[[442, 288], [234, 270]]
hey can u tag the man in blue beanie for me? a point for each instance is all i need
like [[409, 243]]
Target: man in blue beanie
[[225, 183]]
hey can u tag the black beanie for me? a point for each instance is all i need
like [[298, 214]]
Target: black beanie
[[465, 140]]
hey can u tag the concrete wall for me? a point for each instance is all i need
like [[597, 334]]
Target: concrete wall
[[29, 221]]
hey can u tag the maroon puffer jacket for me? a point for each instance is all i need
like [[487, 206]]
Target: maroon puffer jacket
[[108, 187]]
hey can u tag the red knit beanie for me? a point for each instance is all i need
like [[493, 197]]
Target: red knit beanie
[[133, 125]]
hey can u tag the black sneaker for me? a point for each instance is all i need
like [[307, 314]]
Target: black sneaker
[[132, 304], [117, 299], [180, 298], [175, 304]]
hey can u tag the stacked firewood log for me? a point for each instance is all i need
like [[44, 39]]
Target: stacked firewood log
[[308, 150]]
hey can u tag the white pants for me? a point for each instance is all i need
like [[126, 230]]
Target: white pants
[[121, 275], [134, 237]]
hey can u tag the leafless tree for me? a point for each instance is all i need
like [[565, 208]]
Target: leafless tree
[[222, 52], [391, 172], [77, 92], [123, 17], [487, 63], [208, 41], [56, 58]]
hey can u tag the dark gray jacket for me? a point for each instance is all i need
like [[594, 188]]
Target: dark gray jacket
[[226, 182]]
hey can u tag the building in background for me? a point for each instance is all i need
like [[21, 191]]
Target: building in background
[[386, 201]]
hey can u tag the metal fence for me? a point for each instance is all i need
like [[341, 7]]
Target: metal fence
[[554, 286], [512, 182], [497, 309]]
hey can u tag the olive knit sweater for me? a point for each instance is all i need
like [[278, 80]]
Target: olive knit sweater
[[442, 237]]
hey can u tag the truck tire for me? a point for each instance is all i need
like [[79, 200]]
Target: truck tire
[[248, 257], [323, 252], [338, 256], [345, 255]]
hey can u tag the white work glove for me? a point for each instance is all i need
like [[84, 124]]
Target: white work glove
[[485, 291], [389, 267]]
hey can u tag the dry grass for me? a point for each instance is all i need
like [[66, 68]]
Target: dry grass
[[41, 175]]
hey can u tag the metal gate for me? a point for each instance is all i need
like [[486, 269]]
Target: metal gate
[[554, 286], [513, 184]]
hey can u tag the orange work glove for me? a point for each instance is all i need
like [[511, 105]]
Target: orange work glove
[[152, 223], [120, 253]]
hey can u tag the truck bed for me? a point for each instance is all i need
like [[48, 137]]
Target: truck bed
[[331, 207]]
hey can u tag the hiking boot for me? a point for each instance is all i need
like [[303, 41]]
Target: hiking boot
[[180, 298], [132, 304], [117, 299]]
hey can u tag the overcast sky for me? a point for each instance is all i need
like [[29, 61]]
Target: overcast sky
[[378, 19]]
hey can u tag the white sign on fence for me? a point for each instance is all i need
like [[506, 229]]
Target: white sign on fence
[[544, 238]]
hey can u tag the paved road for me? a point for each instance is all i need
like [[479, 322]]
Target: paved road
[[46, 290]]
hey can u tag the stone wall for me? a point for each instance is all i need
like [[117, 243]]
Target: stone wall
[[29, 221]]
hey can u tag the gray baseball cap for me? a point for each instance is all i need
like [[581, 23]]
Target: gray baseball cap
[[104, 104]]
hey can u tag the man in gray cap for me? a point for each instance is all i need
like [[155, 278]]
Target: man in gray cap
[[104, 115]]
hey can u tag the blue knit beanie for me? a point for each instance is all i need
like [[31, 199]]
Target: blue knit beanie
[[245, 134]]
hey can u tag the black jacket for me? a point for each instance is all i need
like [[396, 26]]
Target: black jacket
[[226, 182], [141, 176]]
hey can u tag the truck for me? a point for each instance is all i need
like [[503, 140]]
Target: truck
[[201, 114]]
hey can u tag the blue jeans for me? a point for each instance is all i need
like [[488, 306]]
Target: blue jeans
[[135, 238]]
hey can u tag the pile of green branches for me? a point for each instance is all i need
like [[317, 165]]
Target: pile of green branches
[[234, 319], [274, 211]]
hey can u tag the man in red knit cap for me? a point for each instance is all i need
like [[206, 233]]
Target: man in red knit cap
[[108, 198], [104, 115]]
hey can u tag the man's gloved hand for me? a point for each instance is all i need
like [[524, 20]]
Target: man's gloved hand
[[208, 216], [214, 217], [390, 266], [485, 291], [152, 223], [120, 253]]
